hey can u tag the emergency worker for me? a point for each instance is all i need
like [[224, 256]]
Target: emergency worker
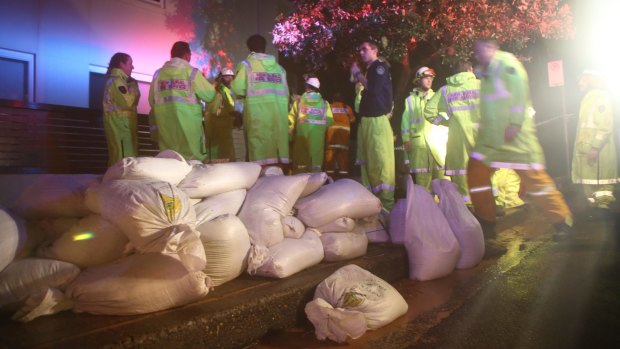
[[456, 105], [175, 96], [423, 156], [375, 150], [507, 139], [120, 101], [337, 139], [220, 116], [261, 81], [309, 119], [594, 158]]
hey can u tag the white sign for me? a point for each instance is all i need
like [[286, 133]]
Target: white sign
[[555, 72]]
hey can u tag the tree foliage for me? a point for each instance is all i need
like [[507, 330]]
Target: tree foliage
[[315, 28]]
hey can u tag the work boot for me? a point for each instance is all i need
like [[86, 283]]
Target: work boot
[[493, 249], [488, 229], [499, 211], [562, 232]]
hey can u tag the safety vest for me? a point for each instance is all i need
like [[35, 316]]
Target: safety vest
[[120, 97], [504, 101]]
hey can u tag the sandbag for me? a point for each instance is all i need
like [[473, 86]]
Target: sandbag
[[55, 196], [343, 198], [208, 180], [170, 168], [432, 249], [29, 276], [145, 211], [315, 181], [398, 222], [344, 245], [271, 171], [226, 244], [292, 256], [335, 324], [464, 225], [219, 205], [92, 241], [137, 284], [354, 290], [342, 224], [292, 227], [374, 228], [12, 232], [270, 199]]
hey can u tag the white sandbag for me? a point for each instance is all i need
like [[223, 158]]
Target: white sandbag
[[167, 169], [209, 180], [355, 289], [145, 211], [336, 324], [374, 228], [219, 205], [292, 227], [270, 199], [342, 224], [343, 198], [29, 276], [137, 284], [92, 241], [432, 249], [292, 256], [226, 244], [315, 181], [398, 223], [342, 246], [12, 233], [464, 225], [55, 196]]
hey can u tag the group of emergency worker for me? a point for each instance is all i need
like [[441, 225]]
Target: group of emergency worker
[[464, 131]]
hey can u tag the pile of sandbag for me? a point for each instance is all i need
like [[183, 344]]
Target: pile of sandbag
[[158, 232]]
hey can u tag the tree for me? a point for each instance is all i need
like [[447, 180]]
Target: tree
[[315, 28]]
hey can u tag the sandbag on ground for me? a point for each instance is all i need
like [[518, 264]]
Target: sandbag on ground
[[12, 233], [292, 227], [464, 225], [145, 211], [341, 246], [342, 224], [292, 256], [55, 196], [352, 290], [374, 228], [92, 241], [208, 180], [137, 284], [226, 243], [398, 222], [432, 249], [270, 199], [343, 198]]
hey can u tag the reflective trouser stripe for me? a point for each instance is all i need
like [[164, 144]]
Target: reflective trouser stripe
[[545, 195]]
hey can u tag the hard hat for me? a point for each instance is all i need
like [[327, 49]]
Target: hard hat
[[423, 72], [314, 82], [227, 72]]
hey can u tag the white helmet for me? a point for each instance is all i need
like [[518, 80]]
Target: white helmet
[[314, 82], [424, 71], [227, 72]]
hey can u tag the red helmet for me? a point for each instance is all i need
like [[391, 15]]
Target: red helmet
[[423, 72]]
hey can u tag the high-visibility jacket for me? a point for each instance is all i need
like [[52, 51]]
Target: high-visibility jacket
[[219, 119], [120, 120], [505, 100], [595, 131], [175, 96], [308, 120], [338, 137], [416, 130], [459, 100], [262, 82]]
